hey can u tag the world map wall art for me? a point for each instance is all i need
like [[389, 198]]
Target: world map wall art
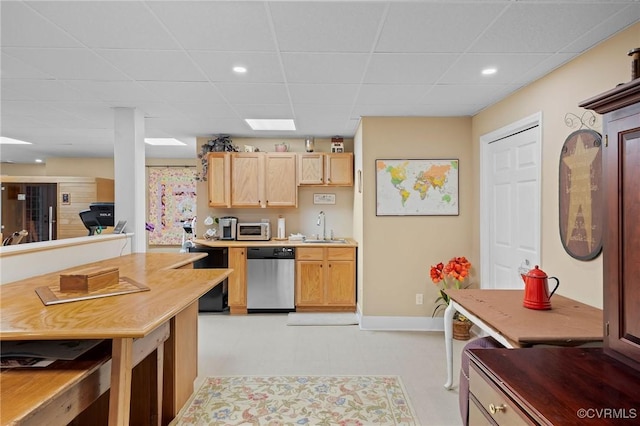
[[417, 187], [172, 200]]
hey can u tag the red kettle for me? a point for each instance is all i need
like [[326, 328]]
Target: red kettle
[[536, 289]]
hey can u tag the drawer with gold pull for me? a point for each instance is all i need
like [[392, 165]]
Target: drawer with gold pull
[[492, 401]]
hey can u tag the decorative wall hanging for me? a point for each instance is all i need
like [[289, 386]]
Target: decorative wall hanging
[[172, 200], [417, 187], [580, 194]]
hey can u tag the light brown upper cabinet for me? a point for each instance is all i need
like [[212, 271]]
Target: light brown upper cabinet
[[261, 179], [219, 179], [280, 187], [325, 169]]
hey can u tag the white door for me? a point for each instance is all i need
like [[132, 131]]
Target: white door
[[510, 203]]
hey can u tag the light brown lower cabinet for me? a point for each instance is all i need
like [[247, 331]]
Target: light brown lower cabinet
[[238, 280], [325, 279]]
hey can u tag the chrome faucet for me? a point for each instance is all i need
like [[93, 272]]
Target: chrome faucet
[[324, 224]]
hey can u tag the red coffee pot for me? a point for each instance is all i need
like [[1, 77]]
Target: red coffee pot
[[536, 289]]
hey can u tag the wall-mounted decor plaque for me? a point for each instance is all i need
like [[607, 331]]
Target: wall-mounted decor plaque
[[580, 194]]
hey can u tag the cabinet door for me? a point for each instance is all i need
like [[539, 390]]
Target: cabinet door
[[621, 256], [247, 169], [280, 180], [237, 281], [339, 169], [311, 169], [309, 283], [340, 283], [219, 179]]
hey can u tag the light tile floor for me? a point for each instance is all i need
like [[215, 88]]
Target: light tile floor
[[263, 344]]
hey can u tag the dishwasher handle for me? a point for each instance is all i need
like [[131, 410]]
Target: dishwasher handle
[[271, 253]]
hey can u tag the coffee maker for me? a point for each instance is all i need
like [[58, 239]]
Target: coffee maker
[[227, 227]]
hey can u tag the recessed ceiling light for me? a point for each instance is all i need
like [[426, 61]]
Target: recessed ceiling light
[[38, 160], [163, 142], [489, 71], [239, 69], [10, 141], [271, 124]]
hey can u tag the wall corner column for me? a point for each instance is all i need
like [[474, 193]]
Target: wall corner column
[[129, 169]]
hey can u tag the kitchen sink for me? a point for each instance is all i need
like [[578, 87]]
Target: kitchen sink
[[336, 241]]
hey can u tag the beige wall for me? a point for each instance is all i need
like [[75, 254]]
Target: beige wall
[[555, 95], [400, 249], [19, 169]]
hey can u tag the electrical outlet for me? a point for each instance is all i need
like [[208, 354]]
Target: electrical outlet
[[419, 299]]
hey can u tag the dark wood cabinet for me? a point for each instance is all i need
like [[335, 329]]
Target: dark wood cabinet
[[559, 386], [621, 248]]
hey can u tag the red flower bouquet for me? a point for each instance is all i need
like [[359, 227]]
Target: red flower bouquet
[[450, 275]]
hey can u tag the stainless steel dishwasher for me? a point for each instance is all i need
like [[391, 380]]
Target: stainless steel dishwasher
[[270, 279]]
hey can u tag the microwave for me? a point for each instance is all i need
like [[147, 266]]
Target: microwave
[[259, 231]]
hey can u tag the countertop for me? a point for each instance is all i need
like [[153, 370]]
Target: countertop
[[350, 242], [24, 316]]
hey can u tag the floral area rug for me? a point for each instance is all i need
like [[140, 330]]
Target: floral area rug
[[299, 400]]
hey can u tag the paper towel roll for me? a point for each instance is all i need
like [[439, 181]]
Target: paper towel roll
[[281, 231]]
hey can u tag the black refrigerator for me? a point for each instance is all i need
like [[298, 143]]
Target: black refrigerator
[[217, 257]]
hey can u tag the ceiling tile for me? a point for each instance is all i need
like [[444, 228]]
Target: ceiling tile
[[216, 25], [407, 68], [115, 91], [190, 91], [254, 93], [336, 94], [108, 24], [43, 90], [201, 109], [99, 114], [326, 26], [67, 64], [321, 68], [149, 109], [456, 94], [154, 65], [529, 27], [14, 68], [430, 27], [606, 28], [265, 111], [262, 67], [372, 94], [23, 27], [467, 70]]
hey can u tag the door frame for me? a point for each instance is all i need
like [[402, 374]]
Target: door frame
[[486, 139]]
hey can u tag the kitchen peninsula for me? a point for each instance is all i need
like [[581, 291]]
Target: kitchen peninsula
[[156, 329], [325, 277]]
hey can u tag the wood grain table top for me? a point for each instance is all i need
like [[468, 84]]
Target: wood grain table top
[[567, 322], [24, 317]]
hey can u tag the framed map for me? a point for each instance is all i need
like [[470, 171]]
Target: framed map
[[417, 187]]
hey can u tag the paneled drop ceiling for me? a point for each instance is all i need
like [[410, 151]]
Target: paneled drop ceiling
[[325, 64]]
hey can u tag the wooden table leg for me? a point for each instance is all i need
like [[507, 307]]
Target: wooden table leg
[[120, 397], [448, 342]]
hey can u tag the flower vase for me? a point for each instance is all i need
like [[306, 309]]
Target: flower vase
[[461, 329]]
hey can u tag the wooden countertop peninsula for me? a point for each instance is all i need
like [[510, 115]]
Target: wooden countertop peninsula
[[24, 316], [155, 330]]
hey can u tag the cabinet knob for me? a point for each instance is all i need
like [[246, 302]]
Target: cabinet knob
[[497, 408]]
